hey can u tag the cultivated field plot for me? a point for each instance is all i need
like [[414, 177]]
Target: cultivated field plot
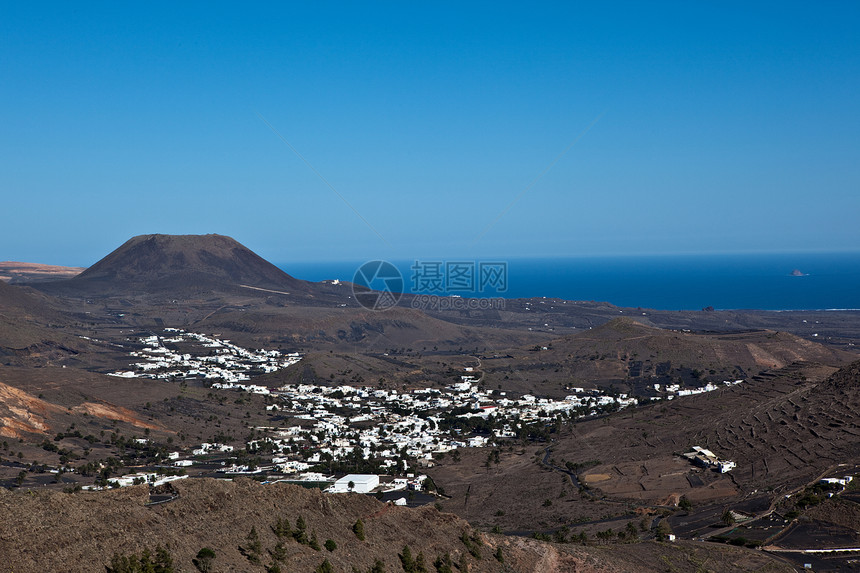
[[818, 535], [659, 481]]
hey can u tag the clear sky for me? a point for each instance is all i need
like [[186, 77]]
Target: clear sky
[[453, 129]]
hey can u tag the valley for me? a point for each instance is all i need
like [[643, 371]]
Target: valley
[[554, 429]]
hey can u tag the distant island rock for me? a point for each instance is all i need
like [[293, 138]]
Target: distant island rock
[[798, 273]]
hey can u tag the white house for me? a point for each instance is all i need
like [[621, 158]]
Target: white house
[[361, 483]]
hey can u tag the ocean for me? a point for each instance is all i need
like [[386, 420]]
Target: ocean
[[804, 281]]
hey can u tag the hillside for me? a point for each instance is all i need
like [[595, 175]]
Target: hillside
[[81, 532], [634, 356], [791, 420], [36, 403], [23, 302], [783, 429], [624, 345], [33, 332]]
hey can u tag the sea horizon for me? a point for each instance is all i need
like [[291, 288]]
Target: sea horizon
[[757, 281]]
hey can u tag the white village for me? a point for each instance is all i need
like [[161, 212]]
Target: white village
[[394, 433]]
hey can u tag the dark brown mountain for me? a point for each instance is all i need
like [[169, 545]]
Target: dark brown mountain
[[179, 264]]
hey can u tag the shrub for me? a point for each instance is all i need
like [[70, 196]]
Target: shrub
[[204, 559]]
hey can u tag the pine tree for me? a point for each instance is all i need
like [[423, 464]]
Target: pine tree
[[252, 548], [632, 530], [146, 563], [406, 560], [420, 566], [301, 534], [281, 528], [444, 564]]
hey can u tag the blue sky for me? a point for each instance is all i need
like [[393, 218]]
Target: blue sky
[[696, 127]]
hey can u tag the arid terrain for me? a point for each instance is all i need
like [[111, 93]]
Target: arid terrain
[[587, 489], [14, 272]]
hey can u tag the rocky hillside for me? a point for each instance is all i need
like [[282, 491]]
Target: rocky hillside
[[239, 523]]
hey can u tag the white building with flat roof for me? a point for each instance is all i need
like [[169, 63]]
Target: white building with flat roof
[[361, 483]]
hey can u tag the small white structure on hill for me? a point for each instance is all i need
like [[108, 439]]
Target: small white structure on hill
[[840, 481], [707, 459], [361, 483]]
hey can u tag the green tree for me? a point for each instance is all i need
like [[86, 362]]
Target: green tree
[[123, 564], [473, 544], [324, 567], [406, 560], [252, 547], [163, 560], [330, 544], [728, 517], [605, 535], [278, 552], [204, 559], [301, 534], [444, 564], [281, 528], [632, 530], [685, 503], [358, 529], [420, 565], [146, 563]]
